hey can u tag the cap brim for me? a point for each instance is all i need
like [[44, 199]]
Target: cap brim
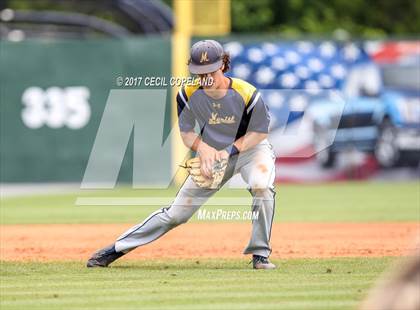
[[200, 69]]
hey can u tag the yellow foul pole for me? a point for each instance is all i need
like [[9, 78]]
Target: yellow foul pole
[[181, 40], [203, 18]]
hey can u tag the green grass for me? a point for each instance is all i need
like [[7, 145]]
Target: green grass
[[347, 202], [209, 284], [189, 284]]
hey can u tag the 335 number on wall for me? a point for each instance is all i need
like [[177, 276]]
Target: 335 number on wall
[[56, 107]]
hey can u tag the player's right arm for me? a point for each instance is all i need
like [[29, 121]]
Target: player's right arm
[[186, 122]]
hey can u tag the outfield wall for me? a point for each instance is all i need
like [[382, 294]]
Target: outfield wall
[[53, 95]]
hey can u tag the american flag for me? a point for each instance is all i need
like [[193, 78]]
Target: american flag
[[304, 68], [292, 75]]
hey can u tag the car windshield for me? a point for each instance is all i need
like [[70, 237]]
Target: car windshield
[[406, 77]]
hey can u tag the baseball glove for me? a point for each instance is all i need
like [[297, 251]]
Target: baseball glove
[[193, 167]]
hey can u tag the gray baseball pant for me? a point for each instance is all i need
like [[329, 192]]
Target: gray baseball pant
[[256, 167]]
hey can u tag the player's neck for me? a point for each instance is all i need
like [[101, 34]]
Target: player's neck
[[220, 90]]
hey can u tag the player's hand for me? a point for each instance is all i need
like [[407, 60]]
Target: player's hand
[[223, 154], [207, 156]]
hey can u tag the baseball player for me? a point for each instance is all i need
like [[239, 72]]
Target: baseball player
[[233, 124]]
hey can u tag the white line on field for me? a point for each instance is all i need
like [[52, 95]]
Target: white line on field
[[158, 201]]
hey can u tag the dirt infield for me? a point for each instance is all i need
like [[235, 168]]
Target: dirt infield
[[211, 240]]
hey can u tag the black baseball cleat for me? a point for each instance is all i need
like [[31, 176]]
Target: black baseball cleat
[[261, 262], [104, 257]]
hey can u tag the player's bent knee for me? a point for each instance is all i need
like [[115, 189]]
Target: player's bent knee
[[178, 220], [260, 181], [260, 186], [262, 190]]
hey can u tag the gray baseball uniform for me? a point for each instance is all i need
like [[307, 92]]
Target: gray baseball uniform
[[221, 122], [256, 166]]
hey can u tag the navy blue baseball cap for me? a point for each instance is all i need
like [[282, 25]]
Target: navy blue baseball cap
[[206, 56]]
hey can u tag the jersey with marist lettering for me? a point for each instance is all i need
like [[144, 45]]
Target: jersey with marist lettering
[[222, 121]]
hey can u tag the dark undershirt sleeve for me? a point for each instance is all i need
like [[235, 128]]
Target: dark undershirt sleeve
[[186, 120], [259, 115]]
